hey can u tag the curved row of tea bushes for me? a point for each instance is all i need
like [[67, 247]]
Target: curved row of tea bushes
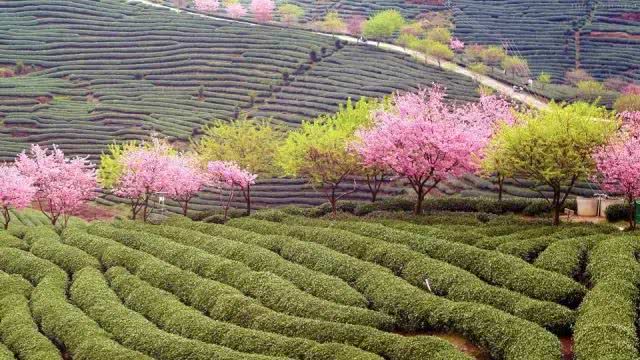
[[501, 269], [606, 323], [20, 333], [14, 284], [315, 283], [224, 303], [271, 290], [490, 266], [511, 338], [8, 240], [492, 243], [383, 246], [90, 291], [45, 243], [57, 318], [165, 309], [567, 257]]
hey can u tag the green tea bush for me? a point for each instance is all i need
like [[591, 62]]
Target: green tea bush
[[271, 290], [606, 323], [224, 303], [259, 259], [416, 308]]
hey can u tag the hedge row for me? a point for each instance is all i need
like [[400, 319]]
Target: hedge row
[[8, 240], [318, 284], [90, 291], [58, 319], [45, 243], [20, 333], [568, 257], [14, 284], [499, 269], [606, 323], [224, 303], [165, 309], [509, 338], [271, 290], [383, 246], [490, 266]]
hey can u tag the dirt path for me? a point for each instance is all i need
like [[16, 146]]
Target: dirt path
[[502, 87]]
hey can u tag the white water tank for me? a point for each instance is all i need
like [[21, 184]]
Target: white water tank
[[587, 206]]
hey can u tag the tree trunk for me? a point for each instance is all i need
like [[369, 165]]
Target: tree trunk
[[185, 208], [500, 186], [247, 197], [632, 214], [333, 201], [7, 217], [556, 205], [421, 194]]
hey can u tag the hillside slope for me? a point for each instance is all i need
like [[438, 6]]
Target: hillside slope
[[99, 71]]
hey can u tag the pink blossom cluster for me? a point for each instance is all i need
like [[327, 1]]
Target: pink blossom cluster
[[262, 10], [631, 89], [228, 174], [207, 6], [16, 191], [456, 44], [62, 184], [236, 10], [423, 138], [618, 164]]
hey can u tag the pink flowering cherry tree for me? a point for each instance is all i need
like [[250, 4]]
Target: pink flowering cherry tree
[[618, 167], [207, 6], [145, 172], [186, 179], [228, 176], [355, 24], [263, 10], [16, 191], [236, 10], [62, 185], [422, 139], [456, 45]]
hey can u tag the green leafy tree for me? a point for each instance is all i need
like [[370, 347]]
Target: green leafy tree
[[290, 13], [384, 24], [252, 145], [554, 147], [319, 150], [110, 166], [441, 35], [439, 51], [544, 79], [493, 55], [333, 23], [516, 66], [479, 69], [590, 89], [627, 102]]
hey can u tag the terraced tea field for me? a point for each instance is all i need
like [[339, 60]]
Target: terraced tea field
[[281, 286], [99, 71]]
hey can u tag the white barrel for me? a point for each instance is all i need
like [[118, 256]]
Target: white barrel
[[587, 206]]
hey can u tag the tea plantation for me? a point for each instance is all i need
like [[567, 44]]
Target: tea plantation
[[103, 70], [283, 286]]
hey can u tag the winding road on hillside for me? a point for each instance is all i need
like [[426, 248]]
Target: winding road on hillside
[[501, 87]]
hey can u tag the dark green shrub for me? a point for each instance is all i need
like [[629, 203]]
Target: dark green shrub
[[537, 208], [618, 212]]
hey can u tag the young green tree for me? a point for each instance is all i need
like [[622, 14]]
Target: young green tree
[[590, 90], [290, 13], [251, 145], [516, 66], [554, 147], [438, 51], [441, 35], [544, 79], [319, 150], [333, 23], [384, 24], [110, 168], [492, 56]]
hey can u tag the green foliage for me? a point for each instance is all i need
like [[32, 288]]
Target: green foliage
[[252, 145], [544, 79], [590, 90], [333, 22], [438, 50], [440, 35], [554, 147], [618, 212], [479, 68], [290, 13], [383, 24], [493, 55], [627, 102], [110, 168]]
